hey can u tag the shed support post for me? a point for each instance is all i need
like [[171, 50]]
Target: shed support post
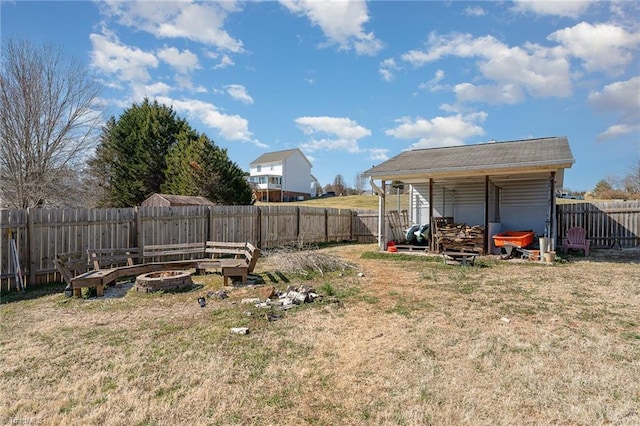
[[431, 228], [553, 226], [382, 216], [486, 215]]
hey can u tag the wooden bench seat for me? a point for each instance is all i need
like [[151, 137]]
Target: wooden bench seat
[[109, 265], [459, 257]]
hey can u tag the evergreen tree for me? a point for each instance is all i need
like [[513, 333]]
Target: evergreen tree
[[196, 166], [130, 160], [149, 149]]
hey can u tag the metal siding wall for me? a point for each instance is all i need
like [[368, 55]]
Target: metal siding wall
[[524, 205], [469, 203], [419, 208], [443, 200]]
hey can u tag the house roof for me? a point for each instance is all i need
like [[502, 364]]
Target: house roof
[[530, 155], [185, 200], [272, 157]]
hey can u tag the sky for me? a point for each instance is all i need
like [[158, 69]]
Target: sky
[[353, 83]]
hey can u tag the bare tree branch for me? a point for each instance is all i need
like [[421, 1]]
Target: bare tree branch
[[48, 121]]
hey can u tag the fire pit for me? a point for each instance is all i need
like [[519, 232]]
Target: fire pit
[[165, 280]]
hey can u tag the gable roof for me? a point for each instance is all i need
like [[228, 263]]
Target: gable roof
[[276, 156], [530, 155], [184, 200]]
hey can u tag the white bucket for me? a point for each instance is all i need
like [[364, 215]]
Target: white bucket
[[543, 246]]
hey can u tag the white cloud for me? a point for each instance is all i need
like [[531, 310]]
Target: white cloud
[[537, 70], [623, 99], [239, 93], [343, 133], [619, 96], [565, 8], [379, 154], [433, 84], [474, 11], [110, 56], [339, 126], [225, 61], [387, 67], [348, 145], [491, 94], [197, 21], [439, 131], [141, 91], [184, 62], [231, 127], [619, 130], [342, 22], [602, 47]]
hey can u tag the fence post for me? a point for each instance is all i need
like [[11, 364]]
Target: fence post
[[298, 223], [208, 232], [31, 237], [326, 225], [259, 228], [139, 236], [352, 215]]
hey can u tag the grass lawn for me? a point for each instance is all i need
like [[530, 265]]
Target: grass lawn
[[355, 202], [400, 339]]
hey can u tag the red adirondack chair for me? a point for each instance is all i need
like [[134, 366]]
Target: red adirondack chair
[[576, 238]]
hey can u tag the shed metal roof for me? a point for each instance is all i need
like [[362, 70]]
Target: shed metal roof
[[533, 155], [184, 200]]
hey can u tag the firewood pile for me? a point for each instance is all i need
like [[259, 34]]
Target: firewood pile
[[460, 237]]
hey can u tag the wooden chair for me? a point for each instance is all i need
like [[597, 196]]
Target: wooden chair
[[576, 238]]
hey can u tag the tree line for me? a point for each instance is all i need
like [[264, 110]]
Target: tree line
[[51, 121]]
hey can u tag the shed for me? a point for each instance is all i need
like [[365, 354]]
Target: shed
[[170, 200], [499, 186]]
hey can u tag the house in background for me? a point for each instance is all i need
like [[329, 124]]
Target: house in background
[[281, 176], [501, 186], [170, 200]]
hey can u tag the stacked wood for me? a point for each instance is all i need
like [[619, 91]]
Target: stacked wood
[[460, 237]]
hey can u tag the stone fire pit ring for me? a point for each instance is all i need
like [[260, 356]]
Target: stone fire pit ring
[[163, 280]]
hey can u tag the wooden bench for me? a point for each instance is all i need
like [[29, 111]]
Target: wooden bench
[[459, 257], [70, 265], [236, 259], [231, 259], [74, 268]]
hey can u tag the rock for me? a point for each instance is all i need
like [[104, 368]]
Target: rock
[[314, 296], [255, 279], [297, 298], [505, 320], [251, 300], [247, 313], [272, 317], [202, 301], [305, 289], [268, 292], [360, 274], [220, 294], [240, 330]]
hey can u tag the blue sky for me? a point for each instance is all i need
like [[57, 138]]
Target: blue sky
[[353, 83]]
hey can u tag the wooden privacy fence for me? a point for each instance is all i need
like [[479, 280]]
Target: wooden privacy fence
[[39, 234], [609, 224]]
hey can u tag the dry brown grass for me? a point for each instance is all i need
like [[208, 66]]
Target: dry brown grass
[[413, 342]]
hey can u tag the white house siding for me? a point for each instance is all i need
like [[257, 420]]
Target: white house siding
[[271, 169], [297, 174]]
